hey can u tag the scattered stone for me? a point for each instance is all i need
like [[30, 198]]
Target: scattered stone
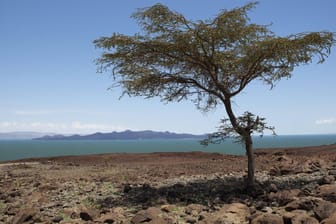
[[303, 192]]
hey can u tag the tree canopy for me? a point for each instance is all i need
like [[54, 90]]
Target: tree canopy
[[176, 58], [207, 61]]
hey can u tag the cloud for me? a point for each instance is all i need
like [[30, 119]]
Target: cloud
[[66, 128], [33, 112], [328, 121], [95, 127], [62, 111]]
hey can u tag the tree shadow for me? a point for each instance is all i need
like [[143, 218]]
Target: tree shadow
[[201, 192], [205, 192]]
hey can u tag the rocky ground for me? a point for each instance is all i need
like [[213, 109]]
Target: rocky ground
[[294, 186]]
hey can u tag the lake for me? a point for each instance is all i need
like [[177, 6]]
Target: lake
[[19, 149]]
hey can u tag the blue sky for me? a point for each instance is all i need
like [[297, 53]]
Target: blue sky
[[48, 80]]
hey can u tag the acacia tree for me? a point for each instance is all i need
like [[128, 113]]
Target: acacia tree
[[209, 62]]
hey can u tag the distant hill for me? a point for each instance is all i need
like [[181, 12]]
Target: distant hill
[[124, 135], [22, 135]]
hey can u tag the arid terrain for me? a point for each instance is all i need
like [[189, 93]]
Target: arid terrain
[[293, 186]]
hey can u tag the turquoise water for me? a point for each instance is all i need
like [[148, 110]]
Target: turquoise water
[[18, 149]]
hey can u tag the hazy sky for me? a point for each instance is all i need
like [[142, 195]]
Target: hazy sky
[[48, 80]]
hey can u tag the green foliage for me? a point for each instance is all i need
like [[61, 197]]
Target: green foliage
[[205, 61], [251, 123]]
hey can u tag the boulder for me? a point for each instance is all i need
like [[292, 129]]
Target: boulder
[[235, 213], [151, 215], [57, 219], [299, 217], [284, 165], [313, 165], [24, 216], [267, 219], [306, 203], [327, 192], [47, 187], [285, 196], [324, 209], [168, 208], [116, 215], [107, 218], [330, 220], [88, 214], [194, 209]]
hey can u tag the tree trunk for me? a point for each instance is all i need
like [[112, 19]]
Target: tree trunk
[[248, 143], [250, 161]]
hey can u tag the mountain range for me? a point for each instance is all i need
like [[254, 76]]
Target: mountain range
[[124, 135], [22, 135]]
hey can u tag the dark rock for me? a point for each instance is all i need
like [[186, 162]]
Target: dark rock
[[85, 216], [275, 171], [107, 218], [272, 188], [308, 189], [88, 214], [14, 194], [260, 205], [327, 180], [190, 219], [57, 219], [332, 172], [127, 188], [36, 184]]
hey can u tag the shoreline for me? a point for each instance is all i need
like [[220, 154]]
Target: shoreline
[[302, 151]]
